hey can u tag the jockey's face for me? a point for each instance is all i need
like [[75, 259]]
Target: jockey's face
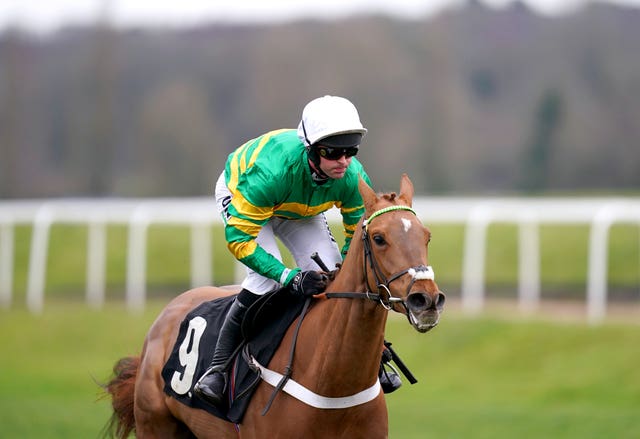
[[335, 168]]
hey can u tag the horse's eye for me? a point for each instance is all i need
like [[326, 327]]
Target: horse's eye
[[379, 240]]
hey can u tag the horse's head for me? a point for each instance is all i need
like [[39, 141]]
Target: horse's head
[[396, 261]]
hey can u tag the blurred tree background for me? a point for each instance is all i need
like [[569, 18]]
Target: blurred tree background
[[473, 100]]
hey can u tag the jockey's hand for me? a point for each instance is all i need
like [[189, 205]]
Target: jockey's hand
[[309, 283]]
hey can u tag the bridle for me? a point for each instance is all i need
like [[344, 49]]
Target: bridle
[[383, 296]]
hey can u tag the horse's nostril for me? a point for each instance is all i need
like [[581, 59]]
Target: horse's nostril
[[423, 301], [440, 299], [418, 301]]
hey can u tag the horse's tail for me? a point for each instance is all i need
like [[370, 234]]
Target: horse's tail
[[121, 387]]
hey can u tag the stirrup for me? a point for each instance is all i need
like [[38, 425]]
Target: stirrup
[[389, 379], [206, 393], [206, 373]]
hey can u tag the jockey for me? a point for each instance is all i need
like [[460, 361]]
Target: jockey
[[279, 185]]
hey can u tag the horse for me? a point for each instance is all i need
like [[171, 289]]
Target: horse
[[339, 342]]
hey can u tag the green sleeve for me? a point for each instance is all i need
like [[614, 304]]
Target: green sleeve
[[352, 210]]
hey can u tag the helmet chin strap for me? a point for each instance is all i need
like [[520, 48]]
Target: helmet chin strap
[[314, 160], [316, 173]]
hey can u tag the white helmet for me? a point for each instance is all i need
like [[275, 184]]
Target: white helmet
[[328, 116]]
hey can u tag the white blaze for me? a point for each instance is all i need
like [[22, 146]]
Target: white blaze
[[407, 224]]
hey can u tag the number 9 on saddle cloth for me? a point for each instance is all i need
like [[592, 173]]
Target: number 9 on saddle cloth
[[272, 313]]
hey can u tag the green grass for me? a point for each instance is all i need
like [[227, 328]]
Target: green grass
[[49, 363], [486, 377], [564, 259]]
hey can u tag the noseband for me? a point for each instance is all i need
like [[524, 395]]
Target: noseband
[[383, 295]]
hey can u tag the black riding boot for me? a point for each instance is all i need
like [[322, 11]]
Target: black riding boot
[[212, 385], [389, 379]]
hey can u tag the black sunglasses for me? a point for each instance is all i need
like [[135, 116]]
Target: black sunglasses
[[330, 153]]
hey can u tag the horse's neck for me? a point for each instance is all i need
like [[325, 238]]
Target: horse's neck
[[353, 329], [352, 278]]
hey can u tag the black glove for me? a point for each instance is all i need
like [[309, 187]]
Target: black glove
[[309, 283]]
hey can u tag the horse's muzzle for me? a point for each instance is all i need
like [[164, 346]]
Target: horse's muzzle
[[424, 309]]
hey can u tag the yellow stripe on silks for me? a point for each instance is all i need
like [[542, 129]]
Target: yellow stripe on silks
[[350, 228], [242, 249], [233, 166], [239, 163], [233, 178], [245, 226], [351, 209], [304, 210], [242, 154], [263, 142], [243, 160], [244, 207]]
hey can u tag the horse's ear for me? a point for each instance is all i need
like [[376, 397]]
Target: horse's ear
[[406, 189], [369, 197]]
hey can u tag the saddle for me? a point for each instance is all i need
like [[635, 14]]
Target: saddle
[[263, 328]]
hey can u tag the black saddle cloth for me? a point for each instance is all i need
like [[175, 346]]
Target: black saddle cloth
[[264, 326]]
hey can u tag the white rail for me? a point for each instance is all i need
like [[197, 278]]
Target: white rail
[[477, 214]]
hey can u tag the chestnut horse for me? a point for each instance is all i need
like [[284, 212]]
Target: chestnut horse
[[338, 347]]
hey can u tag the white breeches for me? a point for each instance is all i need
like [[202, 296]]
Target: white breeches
[[301, 237]]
